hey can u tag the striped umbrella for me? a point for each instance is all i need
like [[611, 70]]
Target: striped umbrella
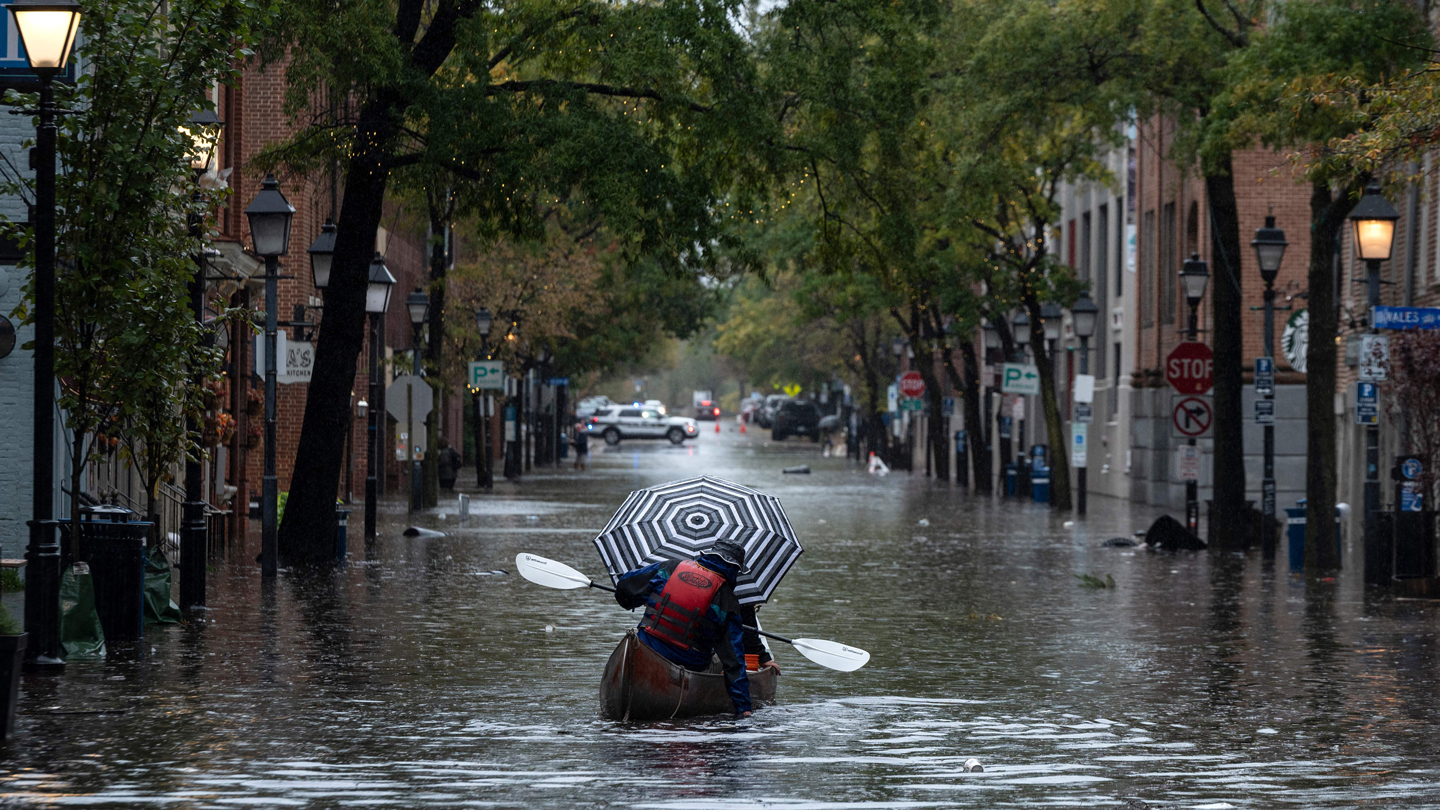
[[679, 520]]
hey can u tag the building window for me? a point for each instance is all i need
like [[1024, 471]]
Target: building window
[[1167, 268], [1115, 385], [1119, 248], [1085, 225], [1101, 278], [1192, 230], [1147, 269], [1071, 246]]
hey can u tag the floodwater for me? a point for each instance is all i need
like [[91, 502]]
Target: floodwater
[[418, 676]]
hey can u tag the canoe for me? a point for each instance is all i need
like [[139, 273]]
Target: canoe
[[640, 685]]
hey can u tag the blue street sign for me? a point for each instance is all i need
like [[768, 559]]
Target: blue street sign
[[556, 381], [1264, 411], [947, 406], [1412, 498], [1264, 376], [1407, 318], [1411, 469], [1367, 403]]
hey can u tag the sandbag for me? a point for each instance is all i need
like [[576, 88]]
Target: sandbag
[[81, 635], [1171, 535], [159, 609]]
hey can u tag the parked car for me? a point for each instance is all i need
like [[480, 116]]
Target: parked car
[[589, 405], [796, 417], [765, 415], [617, 423], [707, 411], [748, 407]]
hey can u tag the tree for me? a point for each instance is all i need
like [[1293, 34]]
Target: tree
[[630, 113], [125, 338]]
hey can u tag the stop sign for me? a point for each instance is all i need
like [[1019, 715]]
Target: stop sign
[[912, 384], [1190, 368]]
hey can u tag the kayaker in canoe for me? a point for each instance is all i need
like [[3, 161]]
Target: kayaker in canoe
[[691, 612]]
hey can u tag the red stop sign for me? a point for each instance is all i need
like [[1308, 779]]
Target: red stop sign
[[1190, 368], [912, 384]]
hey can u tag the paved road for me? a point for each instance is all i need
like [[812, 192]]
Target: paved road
[[419, 676]]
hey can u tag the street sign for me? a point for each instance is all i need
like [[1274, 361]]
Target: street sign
[[909, 404], [1374, 357], [1406, 318], [1083, 413], [947, 406], [1016, 378], [556, 382], [892, 398], [409, 399], [1017, 408], [1367, 403], [1084, 388], [1189, 368], [1412, 493], [1188, 456], [1005, 423], [280, 355], [1264, 411], [1264, 376], [1079, 432], [791, 390], [912, 384], [1411, 469], [487, 375], [1191, 417]]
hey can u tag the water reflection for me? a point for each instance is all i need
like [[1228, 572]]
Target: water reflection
[[418, 676]]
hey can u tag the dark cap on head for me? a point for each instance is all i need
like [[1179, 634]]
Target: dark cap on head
[[729, 551]]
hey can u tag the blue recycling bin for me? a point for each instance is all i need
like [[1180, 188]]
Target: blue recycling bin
[[1012, 480], [1040, 484], [1295, 534]]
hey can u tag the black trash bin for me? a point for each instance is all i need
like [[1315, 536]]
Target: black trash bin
[[114, 546]]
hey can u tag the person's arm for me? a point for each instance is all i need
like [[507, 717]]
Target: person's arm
[[634, 587], [730, 647]]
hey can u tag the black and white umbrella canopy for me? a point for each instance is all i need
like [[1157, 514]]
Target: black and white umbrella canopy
[[680, 520]]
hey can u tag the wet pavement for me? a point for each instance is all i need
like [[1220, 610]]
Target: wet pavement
[[427, 673]]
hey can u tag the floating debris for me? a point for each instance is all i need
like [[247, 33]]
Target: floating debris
[[1092, 581], [972, 765]]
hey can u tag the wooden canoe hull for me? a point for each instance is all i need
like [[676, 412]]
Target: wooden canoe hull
[[640, 685]]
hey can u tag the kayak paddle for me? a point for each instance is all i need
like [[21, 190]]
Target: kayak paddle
[[552, 574]]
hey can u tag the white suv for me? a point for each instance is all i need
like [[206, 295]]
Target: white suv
[[636, 422]]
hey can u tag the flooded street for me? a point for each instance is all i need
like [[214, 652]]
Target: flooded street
[[428, 674]]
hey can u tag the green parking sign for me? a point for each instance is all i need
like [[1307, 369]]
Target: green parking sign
[[487, 375], [1016, 378]]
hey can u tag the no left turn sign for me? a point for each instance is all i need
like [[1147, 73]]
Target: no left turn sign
[[1191, 417]]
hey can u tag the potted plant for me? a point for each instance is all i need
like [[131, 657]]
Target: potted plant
[[12, 655]]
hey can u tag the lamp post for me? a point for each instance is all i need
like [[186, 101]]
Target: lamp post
[[204, 131], [1084, 314], [419, 305], [1022, 339], [47, 30], [1050, 318], [1194, 276], [544, 436], [377, 301], [1374, 219], [484, 320], [1269, 244], [270, 215]]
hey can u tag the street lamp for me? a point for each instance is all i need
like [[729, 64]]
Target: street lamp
[[418, 303], [322, 254], [1194, 276], [48, 32], [1374, 218], [1269, 244], [1050, 317], [1022, 332], [484, 320], [270, 215], [1084, 313], [377, 300], [203, 132], [990, 336]]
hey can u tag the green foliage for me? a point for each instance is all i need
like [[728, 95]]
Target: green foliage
[[8, 625], [10, 580], [126, 340]]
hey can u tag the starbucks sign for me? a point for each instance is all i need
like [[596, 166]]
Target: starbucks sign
[[1295, 340]]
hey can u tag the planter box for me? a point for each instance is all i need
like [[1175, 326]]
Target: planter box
[[12, 655]]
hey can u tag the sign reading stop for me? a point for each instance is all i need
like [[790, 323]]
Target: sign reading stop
[[912, 384], [1190, 368]]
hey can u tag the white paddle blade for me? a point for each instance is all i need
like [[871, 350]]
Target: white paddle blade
[[549, 573], [832, 654]]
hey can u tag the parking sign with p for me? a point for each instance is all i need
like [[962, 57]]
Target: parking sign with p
[[487, 375]]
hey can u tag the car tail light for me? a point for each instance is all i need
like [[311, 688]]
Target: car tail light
[[717, 411]]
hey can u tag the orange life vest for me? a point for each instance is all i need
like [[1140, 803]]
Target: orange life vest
[[675, 616]]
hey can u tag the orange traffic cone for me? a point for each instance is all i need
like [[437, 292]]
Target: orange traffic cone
[[742, 425], [717, 425]]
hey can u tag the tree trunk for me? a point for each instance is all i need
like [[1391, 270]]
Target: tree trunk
[[308, 531], [1231, 519], [1058, 457], [975, 426], [1327, 216], [939, 447], [435, 348]]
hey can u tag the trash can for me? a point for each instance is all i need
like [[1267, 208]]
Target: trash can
[[114, 545], [1012, 480], [1040, 484], [1295, 534], [341, 517]]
